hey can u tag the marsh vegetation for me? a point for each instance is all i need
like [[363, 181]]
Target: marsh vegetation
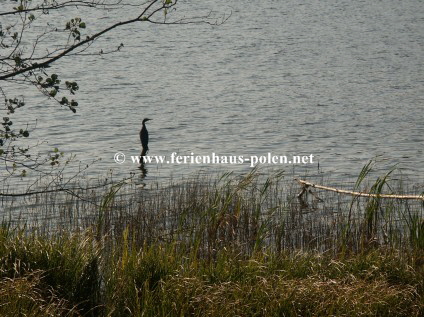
[[214, 246]]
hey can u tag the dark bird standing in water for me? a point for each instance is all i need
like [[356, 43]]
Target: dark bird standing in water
[[144, 137]]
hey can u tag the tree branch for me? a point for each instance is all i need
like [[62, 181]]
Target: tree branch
[[75, 3], [67, 51]]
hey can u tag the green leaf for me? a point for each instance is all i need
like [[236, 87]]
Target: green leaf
[[64, 101], [18, 60]]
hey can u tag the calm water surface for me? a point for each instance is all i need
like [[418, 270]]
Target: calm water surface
[[343, 80]]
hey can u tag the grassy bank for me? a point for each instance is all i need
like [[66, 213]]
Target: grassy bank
[[228, 246], [72, 275]]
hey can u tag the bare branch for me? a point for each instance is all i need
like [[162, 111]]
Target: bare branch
[[103, 5]]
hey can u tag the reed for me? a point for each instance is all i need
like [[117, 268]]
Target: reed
[[213, 246]]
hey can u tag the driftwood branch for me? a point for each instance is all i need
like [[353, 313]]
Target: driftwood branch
[[306, 184]]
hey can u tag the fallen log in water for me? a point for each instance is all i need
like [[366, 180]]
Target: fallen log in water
[[306, 184]]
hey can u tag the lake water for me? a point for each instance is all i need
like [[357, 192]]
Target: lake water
[[342, 80]]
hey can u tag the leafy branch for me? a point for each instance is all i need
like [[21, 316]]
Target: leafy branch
[[34, 36]]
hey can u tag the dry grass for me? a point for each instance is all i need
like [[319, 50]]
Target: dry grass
[[161, 280], [230, 246], [27, 296], [278, 296]]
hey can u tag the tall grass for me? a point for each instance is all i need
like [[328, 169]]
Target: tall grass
[[162, 280], [225, 246]]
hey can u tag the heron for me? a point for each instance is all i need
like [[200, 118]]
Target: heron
[[144, 137]]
